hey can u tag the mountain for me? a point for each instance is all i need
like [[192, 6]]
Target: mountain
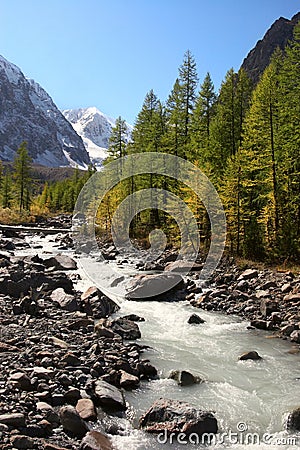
[[95, 129], [277, 36], [27, 113]]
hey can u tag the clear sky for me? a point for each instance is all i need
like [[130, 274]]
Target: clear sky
[[110, 53]]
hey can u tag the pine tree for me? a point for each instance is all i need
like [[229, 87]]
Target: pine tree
[[201, 120], [22, 167]]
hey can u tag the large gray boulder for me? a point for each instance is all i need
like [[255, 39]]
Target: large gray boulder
[[109, 396], [172, 416], [153, 287]]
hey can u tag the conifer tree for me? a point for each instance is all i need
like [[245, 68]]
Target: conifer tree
[[22, 167]]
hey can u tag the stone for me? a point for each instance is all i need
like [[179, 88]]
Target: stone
[[43, 373], [22, 442], [195, 319], [21, 381], [146, 370], [293, 420], [60, 262], [127, 329], [295, 336], [94, 440], [176, 417], [183, 267], [109, 396], [86, 409], [248, 274], [104, 332], [287, 287], [48, 412], [184, 378], [153, 287], [72, 422], [295, 298], [259, 324], [69, 359], [5, 348], [253, 355], [268, 306], [134, 318], [128, 381], [13, 420], [65, 301]]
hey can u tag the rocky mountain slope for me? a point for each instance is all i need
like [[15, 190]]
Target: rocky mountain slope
[[95, 129], [277, 36], [28, 113]]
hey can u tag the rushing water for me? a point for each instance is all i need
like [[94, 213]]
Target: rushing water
[[256, 395]]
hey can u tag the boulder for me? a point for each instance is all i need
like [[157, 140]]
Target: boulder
[[4, 348], [94, 440], [183, 267], [248, 274], [13, 420], [295, 336], [22, 442], [250, 355], [21, 381], [153, 287], [134, 318], [195, 319], [72, 422], [292, 298], [109, 396], [268, 306], [60, 262], [293, 420], [184, 378], [176, 417], [128, 381], [86, 409], [65, 301], [97, 304], [127, 329]]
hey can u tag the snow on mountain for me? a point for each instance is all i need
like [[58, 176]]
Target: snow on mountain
[[95, 129], [27, 113]]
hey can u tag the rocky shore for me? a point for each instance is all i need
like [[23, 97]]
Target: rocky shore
[[67, 360]]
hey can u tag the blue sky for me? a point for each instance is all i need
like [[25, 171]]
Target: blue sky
[[110, 53]]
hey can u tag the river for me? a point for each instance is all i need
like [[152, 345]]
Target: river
[[247, 397]]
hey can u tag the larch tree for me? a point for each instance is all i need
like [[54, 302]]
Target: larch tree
[[22, 169]]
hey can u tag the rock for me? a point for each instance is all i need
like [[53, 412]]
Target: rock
[[146, 370], [22, 442], [128, 381], [248, 274], [128, 329], [48, 412], [72, 422], [13, 420], [104, 332], [172, 416], [94, 440], [109, 396], [60, 262], [287, 287], [21, 381], [195, 319], [69, 359], [4, 348], [183, 267], [134, 318], [97, 304], [250, 355], [259, 324], [65, 301], [184, 378], [295, 336], [295, 298], [293, 420], [268, 306], [86, 409], [43, 373], [152, 287]]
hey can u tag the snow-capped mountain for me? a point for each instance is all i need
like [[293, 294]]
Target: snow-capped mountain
[[95, 129], [27, 113]]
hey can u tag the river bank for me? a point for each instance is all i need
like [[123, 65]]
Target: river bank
[[53, 357]]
